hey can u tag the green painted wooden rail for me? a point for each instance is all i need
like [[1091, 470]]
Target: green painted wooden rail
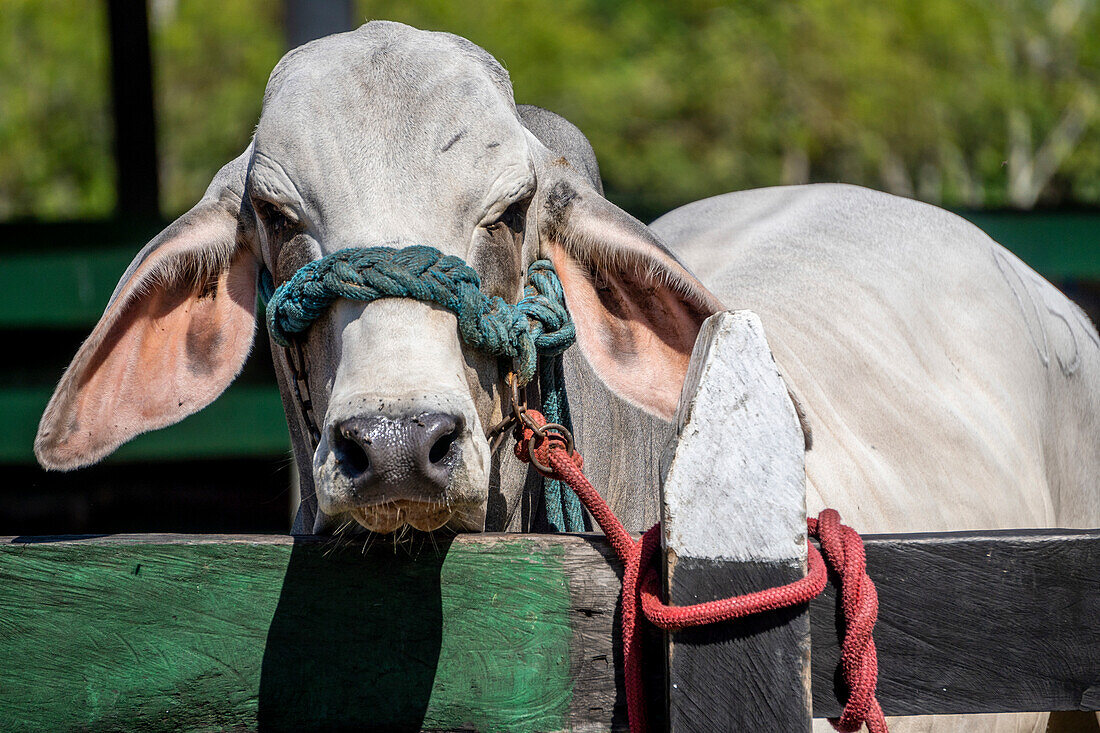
[[216, 633], [492, 632]]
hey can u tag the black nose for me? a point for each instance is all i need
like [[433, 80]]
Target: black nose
[[398, 458]]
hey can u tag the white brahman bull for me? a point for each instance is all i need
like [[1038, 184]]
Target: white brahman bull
[[946, 384]]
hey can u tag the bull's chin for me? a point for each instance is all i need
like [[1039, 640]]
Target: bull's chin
[[392, 515]]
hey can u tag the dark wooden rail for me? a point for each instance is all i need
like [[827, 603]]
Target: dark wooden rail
[[490, 632]]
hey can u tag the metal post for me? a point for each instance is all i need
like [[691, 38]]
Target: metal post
[[134, 118]]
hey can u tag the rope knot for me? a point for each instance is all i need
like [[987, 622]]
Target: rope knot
[[544, 305], [538, 324], [534, 446], [843, 549]]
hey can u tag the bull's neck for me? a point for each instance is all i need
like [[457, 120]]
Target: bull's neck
[[622, 445]]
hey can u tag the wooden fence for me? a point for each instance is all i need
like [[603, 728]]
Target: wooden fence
[[517, 632]]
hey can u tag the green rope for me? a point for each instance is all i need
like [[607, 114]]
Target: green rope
[[538, 325], [563, 508]]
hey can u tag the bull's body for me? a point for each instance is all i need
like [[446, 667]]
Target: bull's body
[[947, 386]]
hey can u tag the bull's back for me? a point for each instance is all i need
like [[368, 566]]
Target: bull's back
[[948, 386]]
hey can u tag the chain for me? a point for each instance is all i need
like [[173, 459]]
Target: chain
[[520, 418], [299, 368]]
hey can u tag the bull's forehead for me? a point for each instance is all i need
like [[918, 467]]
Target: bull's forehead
[[390, 134]]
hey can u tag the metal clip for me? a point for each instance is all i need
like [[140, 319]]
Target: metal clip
[[518, 406], [521, 417], [496, 434], [543, 432]]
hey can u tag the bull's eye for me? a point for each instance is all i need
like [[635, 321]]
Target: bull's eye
[[275, 217], [514, 217]]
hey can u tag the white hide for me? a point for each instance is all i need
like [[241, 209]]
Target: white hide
[[947, 385], [410, 344]]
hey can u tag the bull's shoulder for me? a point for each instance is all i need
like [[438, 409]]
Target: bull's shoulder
[[820, 243], [814, 246], [893, 319]]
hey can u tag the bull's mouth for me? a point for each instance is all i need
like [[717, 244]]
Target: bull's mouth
[[390, 516]]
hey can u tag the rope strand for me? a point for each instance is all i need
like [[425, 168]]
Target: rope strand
[[841, 545], [538, 324]]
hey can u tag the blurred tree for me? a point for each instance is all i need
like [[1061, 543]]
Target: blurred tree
[[55, 128], [939, 100], [1054, 102], [211, 60], [958, 102]]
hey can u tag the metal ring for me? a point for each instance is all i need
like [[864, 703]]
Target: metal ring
[[531, 455], [563, 433]]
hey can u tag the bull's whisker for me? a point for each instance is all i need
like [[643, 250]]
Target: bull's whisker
[[338, 538]]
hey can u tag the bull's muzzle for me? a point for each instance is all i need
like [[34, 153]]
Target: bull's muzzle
[[409, 458]]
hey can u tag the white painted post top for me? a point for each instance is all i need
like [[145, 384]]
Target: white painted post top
[[735, 485]]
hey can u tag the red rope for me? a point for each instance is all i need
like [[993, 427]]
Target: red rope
[[843, 550]]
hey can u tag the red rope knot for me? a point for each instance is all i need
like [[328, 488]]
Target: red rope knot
[[843, 549], [538, 445], [841, 545]]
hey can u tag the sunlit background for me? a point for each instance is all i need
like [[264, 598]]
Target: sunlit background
[[115, 114]]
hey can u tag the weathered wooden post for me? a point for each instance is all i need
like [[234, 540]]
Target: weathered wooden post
[[734, 513]]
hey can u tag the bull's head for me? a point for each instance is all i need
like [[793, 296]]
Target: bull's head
[[383, 136]]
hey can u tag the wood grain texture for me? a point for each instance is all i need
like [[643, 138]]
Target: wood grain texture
[[748, 674], [171, 632], [976, 622], [734, 503], [179, 633], [595, 655], [735, 486]]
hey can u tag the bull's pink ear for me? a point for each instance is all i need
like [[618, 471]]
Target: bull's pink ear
[[636, 308], [176, 332]]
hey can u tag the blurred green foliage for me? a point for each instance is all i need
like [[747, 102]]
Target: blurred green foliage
[[958, 102], [55, 125], [211, 59]]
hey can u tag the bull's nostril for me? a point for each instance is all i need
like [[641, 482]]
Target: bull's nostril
[[442, 447], [411, 456], [352, 454]]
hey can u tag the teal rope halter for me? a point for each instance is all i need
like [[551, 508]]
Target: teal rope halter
[[538, 325]]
